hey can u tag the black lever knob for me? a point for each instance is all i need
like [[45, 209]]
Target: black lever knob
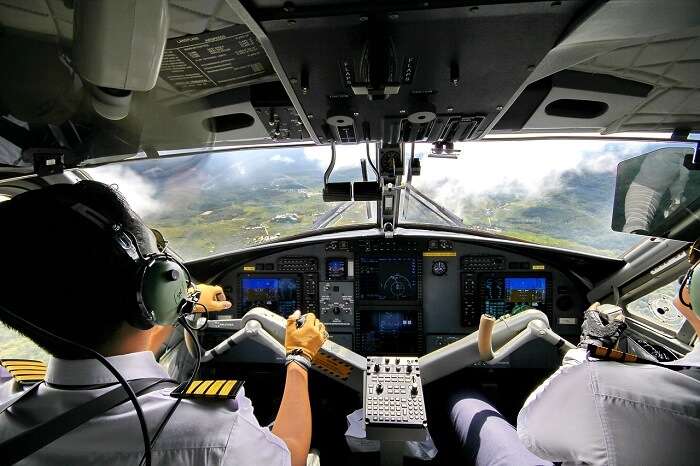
[[379, 388]]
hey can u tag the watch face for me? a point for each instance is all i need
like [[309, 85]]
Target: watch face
[[439, 268]]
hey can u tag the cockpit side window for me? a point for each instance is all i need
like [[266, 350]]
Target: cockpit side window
[[657, 307]]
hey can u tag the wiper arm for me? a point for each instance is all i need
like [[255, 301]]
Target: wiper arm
[[434, 207]]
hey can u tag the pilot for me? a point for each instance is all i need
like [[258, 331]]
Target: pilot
[[61, 273], [598, 412]]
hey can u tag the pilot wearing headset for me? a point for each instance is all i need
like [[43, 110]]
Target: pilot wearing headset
[[598, 412], [82, 275]]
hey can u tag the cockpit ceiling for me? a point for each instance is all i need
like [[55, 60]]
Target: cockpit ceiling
[[386, 71]]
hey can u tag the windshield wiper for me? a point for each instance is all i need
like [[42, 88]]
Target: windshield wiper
[[440, 211]]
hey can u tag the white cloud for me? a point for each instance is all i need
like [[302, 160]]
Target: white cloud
[[527, 167], [281, 158], [347, 156], [139, 192]]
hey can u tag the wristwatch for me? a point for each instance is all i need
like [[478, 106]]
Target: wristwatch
[[298, 357]]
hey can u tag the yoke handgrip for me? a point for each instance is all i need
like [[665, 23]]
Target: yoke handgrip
[[484, 340]]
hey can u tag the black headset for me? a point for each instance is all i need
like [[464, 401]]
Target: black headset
[[160, 282]]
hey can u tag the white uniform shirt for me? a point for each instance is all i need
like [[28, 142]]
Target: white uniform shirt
[[199, 433], [603, 412]]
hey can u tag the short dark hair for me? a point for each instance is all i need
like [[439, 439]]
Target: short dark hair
[[62, 272]]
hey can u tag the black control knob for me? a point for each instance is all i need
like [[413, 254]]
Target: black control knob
[[379, 388], [409, 369], [398, 360], [336, 310], [414, 389], [386, 360], [376, 368]]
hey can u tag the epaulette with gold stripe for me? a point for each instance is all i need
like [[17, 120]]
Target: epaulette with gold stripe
[[25, 371], [611, 354], [209, 389]]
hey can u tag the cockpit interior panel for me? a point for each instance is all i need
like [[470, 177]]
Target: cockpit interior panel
[[403, 295]]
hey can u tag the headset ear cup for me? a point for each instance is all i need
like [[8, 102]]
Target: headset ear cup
[[162, 290], [694, 291]]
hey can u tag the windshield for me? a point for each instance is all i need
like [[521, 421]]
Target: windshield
[[211, 203], [552, 192]]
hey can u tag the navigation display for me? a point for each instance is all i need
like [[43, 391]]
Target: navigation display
[[278, 294], [388, 278], [389, 332], [510, 295]]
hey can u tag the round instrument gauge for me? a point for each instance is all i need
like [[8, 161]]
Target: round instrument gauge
[[439, 268], [390, 162]]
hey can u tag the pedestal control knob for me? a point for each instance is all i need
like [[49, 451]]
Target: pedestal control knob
[[336, 310], [376, 368], [414, 389], [379, 388], [409, 369], [386, 360]]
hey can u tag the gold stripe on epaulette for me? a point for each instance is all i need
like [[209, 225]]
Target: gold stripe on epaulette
[[25, 371], [193, 385], [29, 378], [226, 389], [213, 390], [16, 373], [202, 387], [22, 361], [25, 368], [209, 389]]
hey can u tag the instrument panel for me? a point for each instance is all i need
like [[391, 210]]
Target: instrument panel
[[404, 296]]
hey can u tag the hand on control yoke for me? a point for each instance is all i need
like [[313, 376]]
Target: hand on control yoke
[[304, 337], [211, 297], [597, 330]]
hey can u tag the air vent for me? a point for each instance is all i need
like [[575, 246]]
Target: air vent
[[574, 108], [230, 122]]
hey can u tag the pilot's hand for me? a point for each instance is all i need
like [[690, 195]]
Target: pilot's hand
[[305, 339], [211, 297], [595, 330]]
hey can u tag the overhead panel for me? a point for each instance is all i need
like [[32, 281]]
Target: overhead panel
[[404, 72]]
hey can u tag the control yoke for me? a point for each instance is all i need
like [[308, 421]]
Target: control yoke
[[507, 334]]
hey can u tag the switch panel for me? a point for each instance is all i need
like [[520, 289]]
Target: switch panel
[[393, 399], [336, 301]]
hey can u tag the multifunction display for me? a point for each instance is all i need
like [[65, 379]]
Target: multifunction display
[[503, 295], [389, 330], [279, 294], [498, 294], [388, 278]]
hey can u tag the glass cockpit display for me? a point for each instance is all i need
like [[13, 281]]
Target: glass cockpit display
[[388, 278], [503, 295], [278, 294]]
